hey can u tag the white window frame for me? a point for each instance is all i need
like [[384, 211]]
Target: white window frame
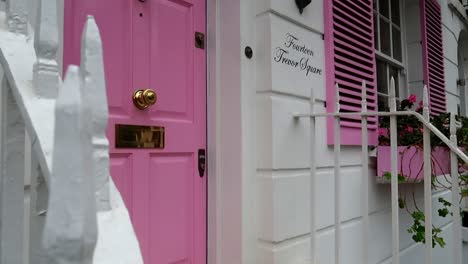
[[403, 65]]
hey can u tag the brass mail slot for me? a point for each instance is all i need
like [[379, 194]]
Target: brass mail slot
[[131, 136]]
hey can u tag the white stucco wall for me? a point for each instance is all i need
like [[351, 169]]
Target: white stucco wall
[[283, 149]]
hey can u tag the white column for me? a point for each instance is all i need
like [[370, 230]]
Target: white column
[[11, 178], [46, 73], [17, 16]]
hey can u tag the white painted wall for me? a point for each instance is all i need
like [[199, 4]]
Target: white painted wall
[[283, 149], [259, 158]]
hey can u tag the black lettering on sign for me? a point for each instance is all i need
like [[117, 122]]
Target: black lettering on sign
[[302, 62]]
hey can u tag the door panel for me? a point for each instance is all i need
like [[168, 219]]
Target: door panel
[[173, 227], [151, 45], [121, 168], [174, 70]]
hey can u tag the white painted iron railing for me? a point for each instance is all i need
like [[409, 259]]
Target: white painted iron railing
[[55, 188], [455, 154]]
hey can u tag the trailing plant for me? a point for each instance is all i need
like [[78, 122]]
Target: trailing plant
[[410, 133]]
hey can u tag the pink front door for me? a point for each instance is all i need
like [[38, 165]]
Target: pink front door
[[151, 44]]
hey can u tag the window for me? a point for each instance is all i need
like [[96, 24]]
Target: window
[[364, 43], [388, 48]]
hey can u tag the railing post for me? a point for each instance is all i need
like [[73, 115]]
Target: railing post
[[95, 96], [394, 172], [457, 240], [337, 164], [70, 231], [313, 168], [11, 178], [39, 195], [365, 177], [17, 16], [46, 73], [427, 179]]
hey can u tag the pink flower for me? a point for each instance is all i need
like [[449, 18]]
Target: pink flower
[[383, 132], [412, 98], [420, 107], [409, 129]]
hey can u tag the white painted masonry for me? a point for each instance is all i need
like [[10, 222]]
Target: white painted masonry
[[259, 185], [283, 155]]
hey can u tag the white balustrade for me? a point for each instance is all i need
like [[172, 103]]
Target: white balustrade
[[70, 231], [337, 173], [63, 187], [427, 179], [365, 177], [17, 16], [456, 230], [11, 178], [46, 72], [394, 173], [95, 95], [39, 196], [313, 176], [455, 154]]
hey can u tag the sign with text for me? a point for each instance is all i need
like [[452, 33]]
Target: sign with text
[[295, 64], [297, 55]]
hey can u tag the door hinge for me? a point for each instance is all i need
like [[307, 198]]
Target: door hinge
[[461, 82], [201, 162], [199, 40]]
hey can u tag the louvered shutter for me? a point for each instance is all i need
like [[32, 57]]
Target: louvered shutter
[[433, 55], [349, 42]]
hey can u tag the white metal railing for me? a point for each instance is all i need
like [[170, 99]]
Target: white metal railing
[[54, 150], [455, 154]]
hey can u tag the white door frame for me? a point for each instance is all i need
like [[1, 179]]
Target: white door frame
[[231, 132]]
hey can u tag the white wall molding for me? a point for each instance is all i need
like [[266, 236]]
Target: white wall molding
[[231, 156]]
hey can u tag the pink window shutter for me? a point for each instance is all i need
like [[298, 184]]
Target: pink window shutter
[[433, 55], [350, 59]]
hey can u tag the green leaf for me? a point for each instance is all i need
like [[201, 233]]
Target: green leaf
[[418, 215], [440, 241], [401, 203], [444, 202], [443, 212], [387, 175]]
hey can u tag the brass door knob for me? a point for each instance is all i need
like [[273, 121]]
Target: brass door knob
[[142, 99]]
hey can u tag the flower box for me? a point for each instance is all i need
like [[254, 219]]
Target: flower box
[[410, 163]]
